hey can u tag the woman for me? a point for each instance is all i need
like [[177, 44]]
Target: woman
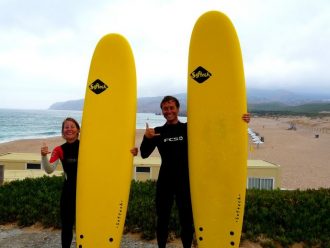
[[68, 154]]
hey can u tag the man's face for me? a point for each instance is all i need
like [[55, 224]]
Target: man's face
[[170, 112]]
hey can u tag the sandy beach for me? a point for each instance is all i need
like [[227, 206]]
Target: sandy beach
[[300, 145], [304, 159]]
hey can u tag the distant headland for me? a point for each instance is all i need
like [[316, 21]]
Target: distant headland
[[259, 101]]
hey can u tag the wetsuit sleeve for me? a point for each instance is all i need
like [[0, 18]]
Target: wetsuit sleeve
[[147, 146], [51, 164]]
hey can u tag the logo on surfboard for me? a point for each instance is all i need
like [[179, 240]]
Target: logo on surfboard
[[200, 74], [98, 86]]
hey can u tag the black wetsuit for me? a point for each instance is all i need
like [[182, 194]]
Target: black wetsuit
[[68, 197], [173, 180]]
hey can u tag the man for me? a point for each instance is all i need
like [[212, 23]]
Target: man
[[173, 179]]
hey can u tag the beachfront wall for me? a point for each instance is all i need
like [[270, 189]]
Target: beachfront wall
[[15, 166], [146, 169], [263, 175]]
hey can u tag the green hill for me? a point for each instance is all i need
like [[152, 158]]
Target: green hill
[[280, 108]]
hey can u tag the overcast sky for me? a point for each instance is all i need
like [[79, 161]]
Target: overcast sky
[[46, 45]]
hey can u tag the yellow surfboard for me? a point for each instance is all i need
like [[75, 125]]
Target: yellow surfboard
[[108, 133], [217, 137]]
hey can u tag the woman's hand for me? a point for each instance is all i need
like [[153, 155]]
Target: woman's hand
[[44, 149]]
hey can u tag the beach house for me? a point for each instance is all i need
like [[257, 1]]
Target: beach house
[[16, 166]]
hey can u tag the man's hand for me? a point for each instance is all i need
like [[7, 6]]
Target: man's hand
[[150, 132], [246, 117]]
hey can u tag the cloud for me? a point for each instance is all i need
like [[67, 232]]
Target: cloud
[[46, 46], [289, 46]]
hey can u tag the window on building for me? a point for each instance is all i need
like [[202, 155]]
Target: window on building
[[31, 166], [143, 169], [260, 183]]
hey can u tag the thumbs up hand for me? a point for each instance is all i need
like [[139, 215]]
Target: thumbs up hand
[[150, 132], [44, 149]]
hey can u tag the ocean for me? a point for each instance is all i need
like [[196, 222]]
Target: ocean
[[33, 124]]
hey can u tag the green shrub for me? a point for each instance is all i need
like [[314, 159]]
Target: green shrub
[[285, 217], [31, 200], [141, 215], [288, 216]]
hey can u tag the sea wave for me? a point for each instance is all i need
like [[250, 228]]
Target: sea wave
[[35, 124]]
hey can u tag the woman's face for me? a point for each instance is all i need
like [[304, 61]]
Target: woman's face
[[70, 131]]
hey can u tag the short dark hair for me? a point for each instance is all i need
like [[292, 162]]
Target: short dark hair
[[72, 120], [170, 98]]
